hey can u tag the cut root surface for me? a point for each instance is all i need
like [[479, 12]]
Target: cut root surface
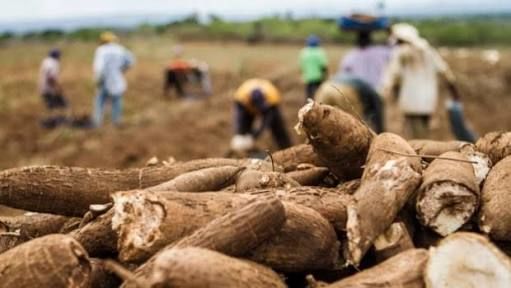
[[467, 260], [446, 207], [137, 219]]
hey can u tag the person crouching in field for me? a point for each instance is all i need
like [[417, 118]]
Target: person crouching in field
[[111, 60], [314, 65], [51, 90], [411, 78], [257, 98], [182, 74]]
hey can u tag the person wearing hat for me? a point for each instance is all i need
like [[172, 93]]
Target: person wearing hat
[[51, 90], [111, 60], [412, 79], [257, 98], [314, 65]]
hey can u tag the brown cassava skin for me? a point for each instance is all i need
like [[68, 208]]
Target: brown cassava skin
[[291, 157], [436, 148], [340, 140], [394, 240], [253, 180], [331, 204], [186, 213], [208, 179], [447, 186], [197, 267], [233, 234], [309, 177], [240, 230], [25, 227], [494, 212], [306, 242], [54, 260], [349, 187], [404, 270], [97, 236], [389, 180], [496, 144], [71, 190]]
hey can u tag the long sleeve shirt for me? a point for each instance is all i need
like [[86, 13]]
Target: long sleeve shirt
[[110, 62]]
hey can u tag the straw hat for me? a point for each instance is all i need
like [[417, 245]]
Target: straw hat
[[108, 37], [409, 34]]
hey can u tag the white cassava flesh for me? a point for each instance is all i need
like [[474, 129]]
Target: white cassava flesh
[[447, 207], [467, 260], [143, 229]]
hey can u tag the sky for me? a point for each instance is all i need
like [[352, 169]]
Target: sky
[[29, 10]]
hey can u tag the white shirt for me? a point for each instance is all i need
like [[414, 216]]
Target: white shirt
[[110, 61], [50, 68], [416, 69]]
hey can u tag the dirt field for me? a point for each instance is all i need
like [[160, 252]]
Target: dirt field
[[185, 130]]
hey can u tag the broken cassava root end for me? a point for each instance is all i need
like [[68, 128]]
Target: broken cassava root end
[[140, 232], [387, 184], [467, 260], [449, 194]]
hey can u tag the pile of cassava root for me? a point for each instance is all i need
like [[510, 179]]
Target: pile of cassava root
[[348, 209]]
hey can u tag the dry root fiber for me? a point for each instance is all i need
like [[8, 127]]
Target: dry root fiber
[[330, 203], [208, 179], [388, 182], [253, 180], [97, 236], [196, 267], [437, 148], [15, 230], [497, 145], [449, 194], [146, 222], [394, 240], [70, 190], [51, 261], [340, 140], [309, 176], [306, 242], [291, 157], [467, 260], [404, 270], [495, 200]]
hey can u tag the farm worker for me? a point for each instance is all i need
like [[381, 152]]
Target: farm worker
[[257, 98], [367, 61], [111, 60], [412, 78], [180, 71], [314, 65], [51, 90], [361, 69]]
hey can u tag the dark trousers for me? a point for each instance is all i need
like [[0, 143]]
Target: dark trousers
[[54, 101], [311, 88], [371, 103], [244, 120], [174, 78]]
